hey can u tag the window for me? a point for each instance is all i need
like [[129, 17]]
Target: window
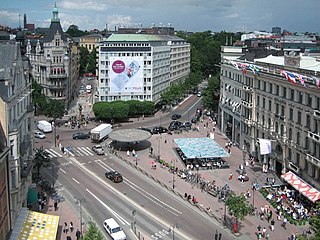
[[277, 90], [264, 86], [291, 114], [308, 121], [282, 111], [258, 101], [289, 154], [300, 97], [309, 103], [290, 134], [298, 159], [292, 95], [270, 88], [284, 92], [307, 144], [277, 108], [299, 118], [298, 138], [270, 105], [263, 102]]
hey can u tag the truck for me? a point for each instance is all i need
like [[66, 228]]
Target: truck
[[100, 132], [44, 126]]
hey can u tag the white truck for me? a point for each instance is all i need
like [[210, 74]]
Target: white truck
[[44, 126], [100, 132]]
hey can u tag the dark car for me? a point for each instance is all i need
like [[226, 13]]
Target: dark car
[[174, 125], [175, 116], [145, 129], [159, 129], [114, 176], [80, 135], [188, 125]]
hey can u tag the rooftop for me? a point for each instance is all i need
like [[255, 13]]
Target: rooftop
[[133, 38]]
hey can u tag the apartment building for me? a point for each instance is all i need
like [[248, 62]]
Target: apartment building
[[55, 62], [140, 66], [91, 41], [17, 120], [275, 98]]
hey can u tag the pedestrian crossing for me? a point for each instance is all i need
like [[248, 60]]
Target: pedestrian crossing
[[72, 151]]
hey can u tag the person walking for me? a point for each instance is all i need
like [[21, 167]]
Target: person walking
[[264, 231], [66, 229], [272, 225], [78, 234], [71, 227], [55, 205], [284, 223]]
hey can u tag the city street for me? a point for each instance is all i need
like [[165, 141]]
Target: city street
[[148, 192]]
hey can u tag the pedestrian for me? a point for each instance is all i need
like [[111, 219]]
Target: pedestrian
[[284, 223], [78, 234], [69, 238], [230, 176], [133, 153], [273, 181], [259, 228], [264, 231], [267, 236], [272, 225], [55, 205], [267, 180], [128, 153], [71, 227], [66, 229], [269, 215]]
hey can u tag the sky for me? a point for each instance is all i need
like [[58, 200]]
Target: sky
[[185, 15]]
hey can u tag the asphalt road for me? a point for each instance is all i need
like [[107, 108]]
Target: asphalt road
[[158, 212]]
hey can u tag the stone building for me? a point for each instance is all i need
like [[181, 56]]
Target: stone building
[[276, 98], [17, 120], [55, 62]]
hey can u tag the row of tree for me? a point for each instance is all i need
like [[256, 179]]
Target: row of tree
[[87, 61], [117, 110]]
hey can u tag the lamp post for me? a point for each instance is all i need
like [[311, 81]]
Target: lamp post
[[136, 159], [53, 124], [244, 152], [174, 167], [80, 201], [253, 187]]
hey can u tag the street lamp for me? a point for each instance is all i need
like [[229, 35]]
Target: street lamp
[[80, 201], [244, 152], [174, 168], [253, 186], [136, 159], [174, 227]]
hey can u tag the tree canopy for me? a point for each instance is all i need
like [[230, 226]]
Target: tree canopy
[[93, 233], [74, 31], [41, 159]]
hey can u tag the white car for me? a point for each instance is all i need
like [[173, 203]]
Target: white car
[[114, 230], [39, 135]]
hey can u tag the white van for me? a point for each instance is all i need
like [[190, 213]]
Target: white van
[[114, 230], [44, 126]]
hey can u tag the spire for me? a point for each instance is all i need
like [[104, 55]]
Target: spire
[[55, 13]]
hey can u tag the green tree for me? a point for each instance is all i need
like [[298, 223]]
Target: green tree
[[211, 93], [38, 98], [237, 206], [83, 61], [41, 159], [74, 31], [315, 224], [93, 233], [91, 65], [54, 108]]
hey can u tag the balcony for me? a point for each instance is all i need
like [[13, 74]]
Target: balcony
[[26, 169], [249, 122], [246, 104], [60, 75], [316, 114], [53, 86], [247, 88], [313, 160], [314, 136]]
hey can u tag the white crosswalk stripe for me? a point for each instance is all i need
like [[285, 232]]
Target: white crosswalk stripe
[[88, 150], [81, 150], [56, 153], [77, 152], [67, 150], [51, 155]]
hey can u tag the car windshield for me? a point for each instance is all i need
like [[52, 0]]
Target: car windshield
[[117, 229]]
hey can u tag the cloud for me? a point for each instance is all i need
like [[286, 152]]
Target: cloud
[[84, 5], [11, 16]]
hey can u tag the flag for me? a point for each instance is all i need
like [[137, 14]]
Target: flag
[[265, 146], [316, 81], [235, 65], [291, 77], [302, 80]]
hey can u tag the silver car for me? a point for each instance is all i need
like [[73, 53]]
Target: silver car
[[98, 149], [39, 135]]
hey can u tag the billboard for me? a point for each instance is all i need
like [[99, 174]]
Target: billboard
[[126, 74]]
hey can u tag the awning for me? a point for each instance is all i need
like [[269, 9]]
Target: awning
[[35, 226], [311, 193], [32, 196]]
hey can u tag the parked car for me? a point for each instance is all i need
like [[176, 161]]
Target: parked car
[[174, 125], [199, 94], [188, 125], [194, 120], [98, 149], [114, 176], [80, 135], [175, 116], [114, 230], [145, 129], [159, 129], [39, 135]]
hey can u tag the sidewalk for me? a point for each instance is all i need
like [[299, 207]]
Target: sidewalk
[[163, 145]]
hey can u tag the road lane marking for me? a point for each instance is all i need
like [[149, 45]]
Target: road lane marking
[[69, 151], [121, 219], [75, 180], [84, 152], [78, 152], [56, 153], [51, 155], [87, 149], [63, 170], [144, 193]]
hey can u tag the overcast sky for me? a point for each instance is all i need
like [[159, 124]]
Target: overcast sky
[[188, 15]]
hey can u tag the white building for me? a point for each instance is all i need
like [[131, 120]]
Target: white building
[[261, 102], [16, 112], [140, 66]]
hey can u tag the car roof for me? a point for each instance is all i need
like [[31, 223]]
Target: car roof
[[111, 222], [98, 146]]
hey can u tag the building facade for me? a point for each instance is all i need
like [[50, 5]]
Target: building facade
[[275, 98], [55, 62], [91, 41], [17, 119], [140, 66]]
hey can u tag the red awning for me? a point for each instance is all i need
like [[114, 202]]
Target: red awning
[[311, 193]]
